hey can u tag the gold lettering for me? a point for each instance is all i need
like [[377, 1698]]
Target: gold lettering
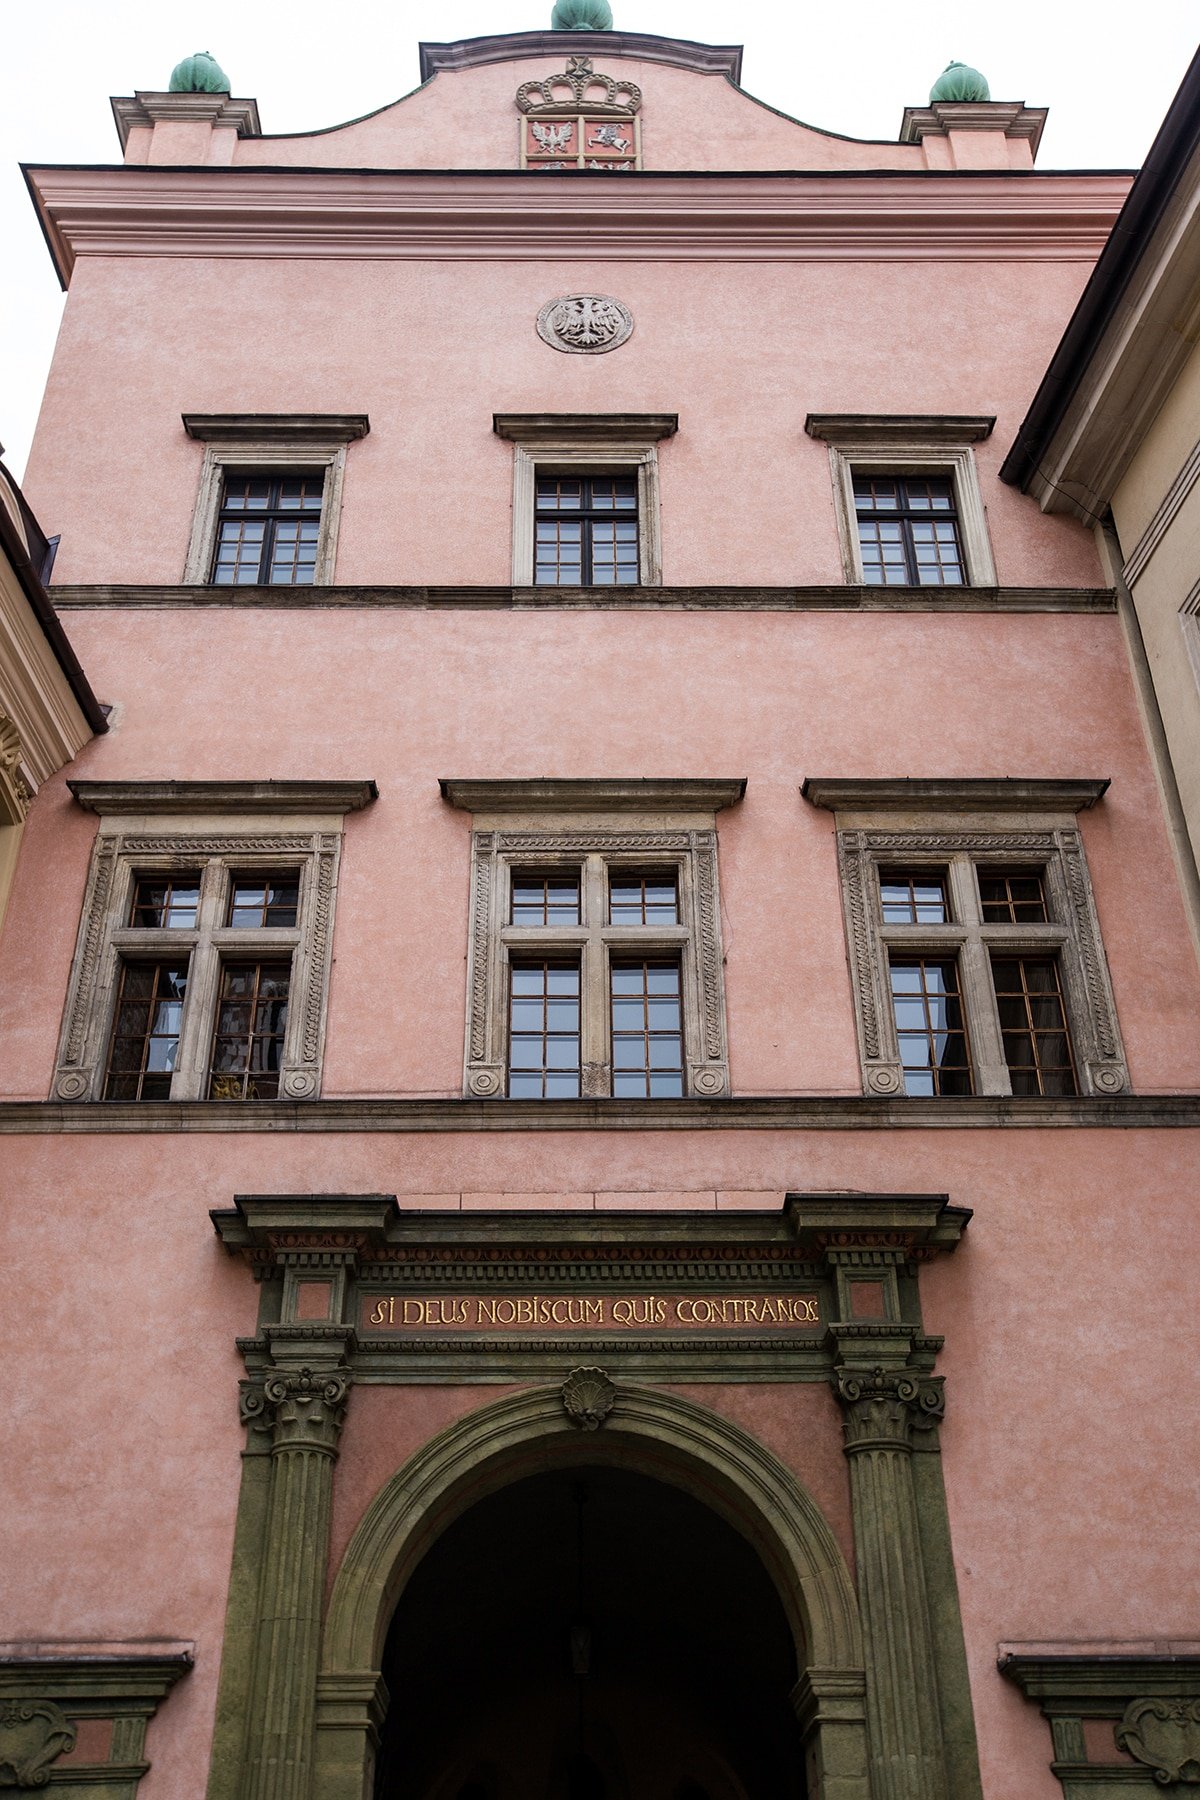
[[556, 1316], [380, 1313], [622, 1312], [810, 1315], [596, 1316], [660, 1312], [412, 1311]]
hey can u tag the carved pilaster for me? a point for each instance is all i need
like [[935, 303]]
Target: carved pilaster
[[882, 1407], [305, 1403]]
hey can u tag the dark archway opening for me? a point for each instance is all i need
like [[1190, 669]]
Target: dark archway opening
[[590, 1634]]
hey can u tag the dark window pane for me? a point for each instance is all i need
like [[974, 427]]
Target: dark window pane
[[146, 1027], [268, 528], [1033, 1022], [1013, 896], [578, 540], [647, 1037], [252, 1012], [930, 1028], [543, 1028]]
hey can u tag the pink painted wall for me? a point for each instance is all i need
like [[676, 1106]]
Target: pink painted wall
[[125, 1456], [405, 697], [1055, 1442], [741, 351]]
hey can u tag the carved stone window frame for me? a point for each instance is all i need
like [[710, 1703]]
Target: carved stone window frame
[[1124, 1718], [269, 441], [561, 443], [956, 825], [595, 826], [909, 444], [156, 828]]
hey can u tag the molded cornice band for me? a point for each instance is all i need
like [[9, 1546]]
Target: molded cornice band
[[682, 794], [223, 796], [1005, 794]]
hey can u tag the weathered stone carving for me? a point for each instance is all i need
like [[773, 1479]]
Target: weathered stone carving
[[33, 1733], [1165, 1735], [588, 1396], [13, 787], [887, 1404], [585, 90], [587, 324], [579, 120]]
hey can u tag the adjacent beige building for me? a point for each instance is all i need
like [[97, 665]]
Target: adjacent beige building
[[1113, 436], [47, 710]]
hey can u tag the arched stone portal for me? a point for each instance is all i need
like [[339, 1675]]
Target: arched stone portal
[[650, 1434]]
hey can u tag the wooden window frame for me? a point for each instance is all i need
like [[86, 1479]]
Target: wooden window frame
[[907, 516], [587, 517], [271, 517]]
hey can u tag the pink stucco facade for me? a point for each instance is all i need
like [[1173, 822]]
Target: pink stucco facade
[[395, 268]]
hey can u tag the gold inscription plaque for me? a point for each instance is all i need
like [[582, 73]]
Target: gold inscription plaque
[[578, 1312]]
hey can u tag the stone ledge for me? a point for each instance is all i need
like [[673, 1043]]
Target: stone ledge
[[207, 797], [851, 1112], [822, 598]]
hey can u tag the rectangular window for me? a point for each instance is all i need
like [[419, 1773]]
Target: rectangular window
[[146, 1027], [546, 898], [1013, 897], [647, 1030], [640, 899], [544, 1031], [259, 902], [268, 528], [1033, 1025], [586, 531], [252, 1010], [928, 1011], [913, 897], [908, 531], [166, 902]]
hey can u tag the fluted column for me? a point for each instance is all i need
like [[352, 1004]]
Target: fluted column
[[306, 1405], [881, 1406]]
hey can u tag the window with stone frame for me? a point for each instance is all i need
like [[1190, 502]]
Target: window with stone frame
[[270, 497], [595, 962], [585, 498], [202, 965], [907, 499], [975, 952]]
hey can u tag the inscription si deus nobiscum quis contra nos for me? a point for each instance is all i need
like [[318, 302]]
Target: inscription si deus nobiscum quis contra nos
[[578, 1312]]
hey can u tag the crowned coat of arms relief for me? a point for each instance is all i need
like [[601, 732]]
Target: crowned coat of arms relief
[[580, 120]]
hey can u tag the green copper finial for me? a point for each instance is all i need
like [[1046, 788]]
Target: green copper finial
[[199, 74], [958, 81], [581, 15]]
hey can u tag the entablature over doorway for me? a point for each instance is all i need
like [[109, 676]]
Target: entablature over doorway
[[829, 1282]]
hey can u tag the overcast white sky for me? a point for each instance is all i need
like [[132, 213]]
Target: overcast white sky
[[1107, 71]]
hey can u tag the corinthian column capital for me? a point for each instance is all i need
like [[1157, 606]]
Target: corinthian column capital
[[883, 1407]]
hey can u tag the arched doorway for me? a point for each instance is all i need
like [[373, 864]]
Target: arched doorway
[[590, 1633], [651, 1432]]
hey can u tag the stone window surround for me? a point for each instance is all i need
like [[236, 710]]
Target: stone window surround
[[564, 442], [908, 444], [156, 827], [954, 825], [548, 824], [271, 441]]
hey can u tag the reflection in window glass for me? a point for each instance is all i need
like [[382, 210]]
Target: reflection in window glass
[[252, 1011], [647, 1030], [636, 899], [908, 531], [545, 899], [1013, 897], [259, 901], [586, 531], [543, 1037], [268, 528], [927, 1007], [145, 1037], [166, 902], [913, 897]]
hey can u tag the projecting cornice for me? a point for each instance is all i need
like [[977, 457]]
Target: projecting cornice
[[138, 210], [242, 797], [609, 795], [514, 46], [974, 794]]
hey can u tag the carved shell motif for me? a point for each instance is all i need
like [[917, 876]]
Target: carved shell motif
[[588, 1396]]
